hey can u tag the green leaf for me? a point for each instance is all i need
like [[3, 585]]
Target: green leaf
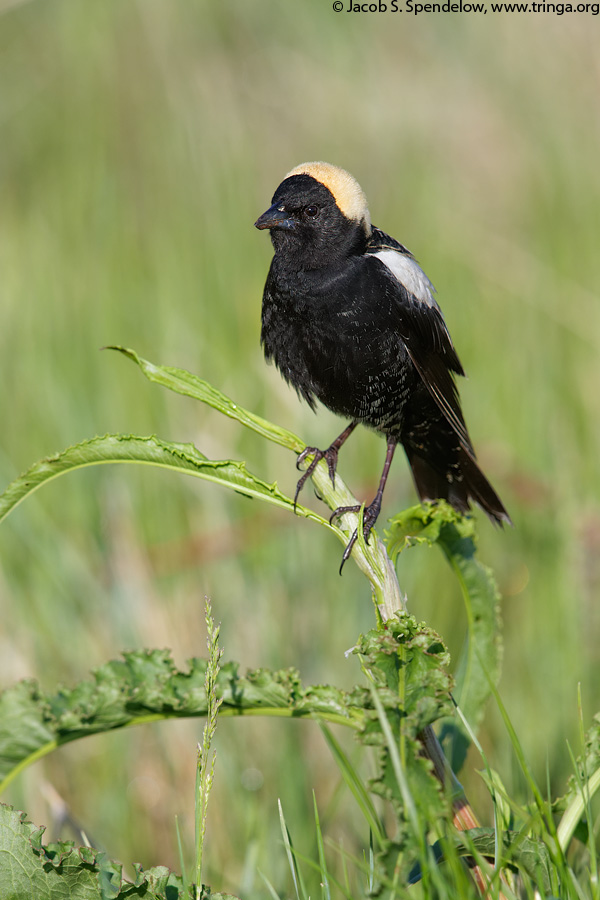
[[407, 661], [122, 448], [371, 559], [146, 686], [61, 871], [528, 854], [184, 382], [24, 869], [479, 662]]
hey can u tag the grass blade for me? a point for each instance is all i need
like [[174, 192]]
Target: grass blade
[[325, 891], [287, 842], [355, 784]]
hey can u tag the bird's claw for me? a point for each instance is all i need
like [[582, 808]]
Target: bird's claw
[[370, 516], [330, 456], [348, 549], [302, 456], [342, 510]]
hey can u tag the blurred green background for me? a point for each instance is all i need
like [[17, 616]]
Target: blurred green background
[[139, 141]]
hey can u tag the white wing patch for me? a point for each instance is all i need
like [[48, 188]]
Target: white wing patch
[[409, 274]]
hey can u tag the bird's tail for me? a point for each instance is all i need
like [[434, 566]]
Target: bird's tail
[[460, 483]]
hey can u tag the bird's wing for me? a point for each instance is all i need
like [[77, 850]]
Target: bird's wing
[[422, 327]]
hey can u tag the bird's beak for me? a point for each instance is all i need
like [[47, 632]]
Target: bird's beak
[[274, 218]]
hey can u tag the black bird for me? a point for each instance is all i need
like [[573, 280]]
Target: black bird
[[349, 318]]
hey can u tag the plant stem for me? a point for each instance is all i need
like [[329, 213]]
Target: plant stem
[[372, 558]]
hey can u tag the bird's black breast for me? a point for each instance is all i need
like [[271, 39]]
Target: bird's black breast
[[333, 334]]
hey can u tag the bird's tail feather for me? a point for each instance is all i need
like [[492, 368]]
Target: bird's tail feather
[[467, 482]]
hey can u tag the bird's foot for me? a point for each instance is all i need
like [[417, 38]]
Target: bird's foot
[[370, 516], [330, 456]]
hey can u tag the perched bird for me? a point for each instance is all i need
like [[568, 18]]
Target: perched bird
[[350, 319]]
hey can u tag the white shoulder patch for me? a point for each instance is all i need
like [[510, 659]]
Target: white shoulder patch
[[346, 190], [409, 274]]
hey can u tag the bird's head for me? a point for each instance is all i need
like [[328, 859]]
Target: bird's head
[[319, 214]]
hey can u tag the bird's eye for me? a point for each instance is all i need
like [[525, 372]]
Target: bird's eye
[[311, 211]]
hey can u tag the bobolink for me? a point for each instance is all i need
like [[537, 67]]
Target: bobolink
[[349, 318]]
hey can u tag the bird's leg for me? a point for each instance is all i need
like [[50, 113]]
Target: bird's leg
[[372, 511], [330, 455]]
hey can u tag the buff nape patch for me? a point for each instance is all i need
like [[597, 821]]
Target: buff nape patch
[[345, 189]]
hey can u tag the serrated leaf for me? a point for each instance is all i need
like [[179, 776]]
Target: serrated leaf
[[479, 661], [183, 382], [406, 662], [24, 724], [122, 448], [60, 871], [146, 686], [23, 865]]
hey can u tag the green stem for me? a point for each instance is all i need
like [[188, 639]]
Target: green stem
[[354, 719]]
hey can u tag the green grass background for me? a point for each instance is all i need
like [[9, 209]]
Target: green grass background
[[139, 140]]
